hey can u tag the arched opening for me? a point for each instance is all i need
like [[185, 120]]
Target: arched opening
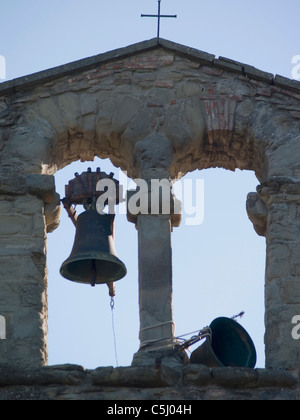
[[218, 270], [219, 266], [214, 130], [79, 316]]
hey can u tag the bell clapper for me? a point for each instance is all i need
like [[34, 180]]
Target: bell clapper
[[112, 290], [93, 273]]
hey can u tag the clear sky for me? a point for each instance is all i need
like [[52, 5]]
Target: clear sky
[[219, 266]]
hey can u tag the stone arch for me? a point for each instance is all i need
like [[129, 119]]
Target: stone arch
[[216, 132], [211, 116]]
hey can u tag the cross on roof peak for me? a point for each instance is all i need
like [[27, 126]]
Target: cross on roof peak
[[158, 16]]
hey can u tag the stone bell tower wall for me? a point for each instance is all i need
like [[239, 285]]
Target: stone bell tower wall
[[215, 112]]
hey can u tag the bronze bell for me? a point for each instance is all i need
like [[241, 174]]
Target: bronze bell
[[93, 259], [229, 345]]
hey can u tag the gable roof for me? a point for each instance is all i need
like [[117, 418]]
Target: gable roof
[[226, 64]]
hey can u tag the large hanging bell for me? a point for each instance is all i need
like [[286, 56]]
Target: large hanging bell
[[229, 345], [93, 259]]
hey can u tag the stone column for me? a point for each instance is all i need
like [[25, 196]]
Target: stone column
[[155, 285], [154, 224], [155, 282], [23, 275], [282, 290]]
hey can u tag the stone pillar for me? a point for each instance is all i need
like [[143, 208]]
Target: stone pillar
[[155, 282], [23, 274], [155, 285], [154, 224], [282, 290]]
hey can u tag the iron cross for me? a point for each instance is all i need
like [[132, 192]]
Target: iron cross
[[159, 16]]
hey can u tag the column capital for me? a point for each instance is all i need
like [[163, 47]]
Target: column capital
[[153, 157], [257, 213], [157, 199], [14, 181], [279, 190]]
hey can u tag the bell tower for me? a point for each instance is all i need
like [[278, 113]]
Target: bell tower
[[157, 110]]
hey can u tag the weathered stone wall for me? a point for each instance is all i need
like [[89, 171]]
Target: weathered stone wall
[[282, 198], [209, 112], [69, 382], [215, 112], [25, 204]]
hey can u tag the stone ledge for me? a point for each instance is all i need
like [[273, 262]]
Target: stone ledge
[[189, 52], [42, 186], [54, 375], [13, 181], [147, 377], [229, 65], [141, 377], [241, 378], [190, 383], [279, 189], [286, 83], [256, 74], [249, 71]]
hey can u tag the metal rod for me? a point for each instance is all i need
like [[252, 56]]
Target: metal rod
[[70, 210], [240, 315], [159, 16], [162, 16], [158, 25]]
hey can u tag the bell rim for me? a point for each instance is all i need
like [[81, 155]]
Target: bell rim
[[95, 256], [208, 354], [232, 323]]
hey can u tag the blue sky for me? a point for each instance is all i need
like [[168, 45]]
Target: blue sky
[[38, 34], [219, 266]]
